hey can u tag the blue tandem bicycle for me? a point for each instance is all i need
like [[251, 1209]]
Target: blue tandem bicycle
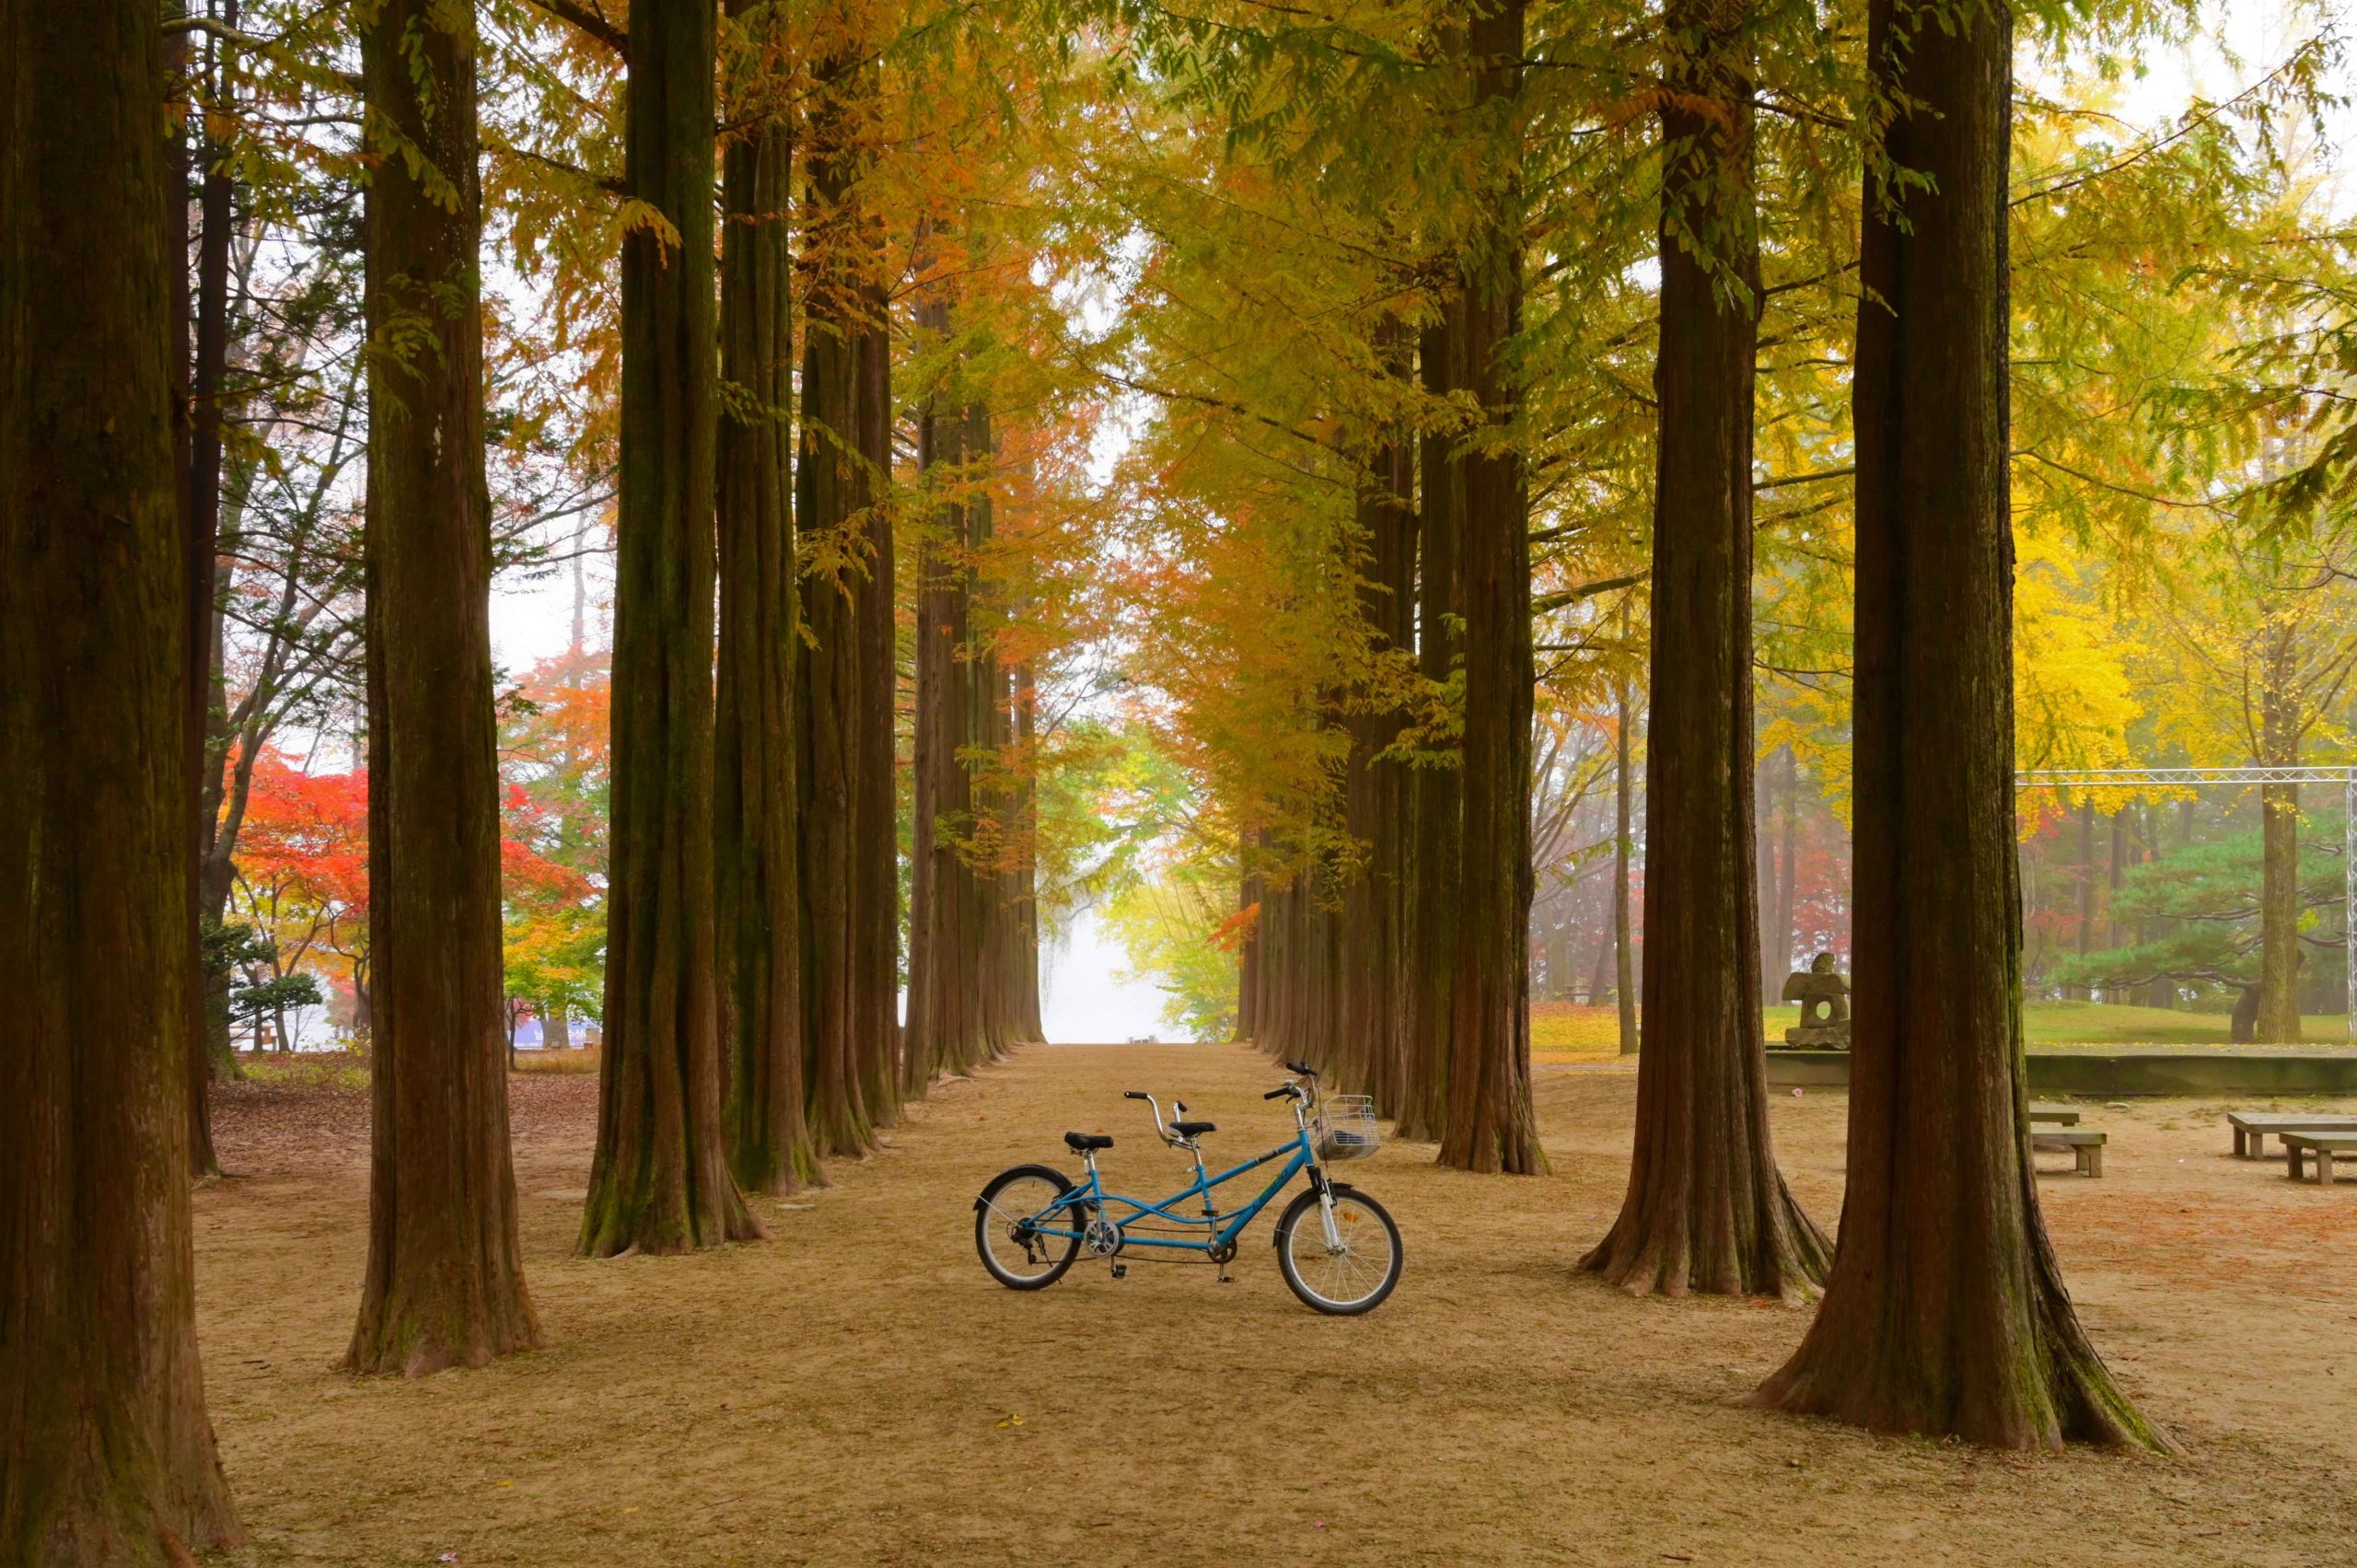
[[1338, 1249]]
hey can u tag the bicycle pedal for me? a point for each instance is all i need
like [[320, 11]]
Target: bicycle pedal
[[1121, 1271]]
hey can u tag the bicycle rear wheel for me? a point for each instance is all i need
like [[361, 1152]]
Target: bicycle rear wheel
[[1347, 1279], [1018, 1256]]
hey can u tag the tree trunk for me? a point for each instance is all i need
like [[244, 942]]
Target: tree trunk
[[1944, 1312], [756, 859], [445, 1283], [1489, 1124], [946, 957], [1435, 793], [1624, 960], [876, 822], [1369, 945], [199, 561], [835, 487], [1707, 1209], [660, 1180], [106, 1455], [557, 1033], [2279, 888]]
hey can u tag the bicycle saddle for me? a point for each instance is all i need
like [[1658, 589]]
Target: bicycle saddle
[[1080, 1142], [1192, 1129]]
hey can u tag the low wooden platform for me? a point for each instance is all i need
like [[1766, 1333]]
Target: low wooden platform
[[2250, 1128]]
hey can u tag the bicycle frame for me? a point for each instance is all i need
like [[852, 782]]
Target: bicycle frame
[[1220, 1229]]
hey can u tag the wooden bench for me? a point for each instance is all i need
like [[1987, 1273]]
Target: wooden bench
[[2060, 1115], [2251, 1127], [2085, 1146], [2297, 1146]]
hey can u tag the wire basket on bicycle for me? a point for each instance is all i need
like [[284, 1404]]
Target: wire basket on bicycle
[[1346, 1129]]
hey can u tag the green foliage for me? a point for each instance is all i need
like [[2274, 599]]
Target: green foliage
[[2200, 901]]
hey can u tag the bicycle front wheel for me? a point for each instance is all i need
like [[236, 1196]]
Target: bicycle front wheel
[[1352, 1274], [1018, 1256]]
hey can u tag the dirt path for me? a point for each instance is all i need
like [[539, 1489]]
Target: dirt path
[[847, 1392]]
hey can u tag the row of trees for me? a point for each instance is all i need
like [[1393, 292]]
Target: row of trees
[[752, 951], [1786, 454]]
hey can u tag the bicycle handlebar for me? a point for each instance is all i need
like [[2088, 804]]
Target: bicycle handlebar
[[1298, 1067], [1280, 1092], [1135, 1094]]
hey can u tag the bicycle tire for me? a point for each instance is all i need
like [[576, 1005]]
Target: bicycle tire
[[1303, 1209], [985, 1213]]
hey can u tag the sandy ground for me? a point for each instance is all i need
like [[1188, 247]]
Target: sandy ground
[[856, 1390]]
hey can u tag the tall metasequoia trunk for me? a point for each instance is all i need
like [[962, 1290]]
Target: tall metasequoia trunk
[[1944, 1312], [1368, 1022], [1624, 962], [105, 1454], [1489, 1124], [757, 883], [1019, 886], [947, 975], [1706, 1209], [876, 821], [198, 565], [660, 1180], [445, 1283], [2279, 887], [836, 485], [210, 99], [1435, 793], [968, 956]]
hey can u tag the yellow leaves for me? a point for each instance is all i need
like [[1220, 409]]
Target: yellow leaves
[[632, 214], [2074, 698]]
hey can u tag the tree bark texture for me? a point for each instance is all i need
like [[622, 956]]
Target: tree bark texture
[[756, 878], [2279, 866], [1369, 1027], [660, 1181], [1435, 793], [1944, 1312], [1488, 1125], [105, 1454], [444, 1283], [836, 484], [1707, 1209], [1624, 959], [967, 951], [199, 562]]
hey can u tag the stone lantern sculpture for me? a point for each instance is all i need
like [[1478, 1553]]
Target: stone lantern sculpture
[[1824, 997]]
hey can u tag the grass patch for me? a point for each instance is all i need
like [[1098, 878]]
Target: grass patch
[[306, 1069], [1561, 1031]]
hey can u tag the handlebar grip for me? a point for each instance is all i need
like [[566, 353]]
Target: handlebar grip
[[1135, 1094], [1298, 1067], [1279, 1093]]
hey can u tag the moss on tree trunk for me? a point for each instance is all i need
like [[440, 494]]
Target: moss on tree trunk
[[1944, 1312], [660, 1180], [1706, 1209], [105, 1454]]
